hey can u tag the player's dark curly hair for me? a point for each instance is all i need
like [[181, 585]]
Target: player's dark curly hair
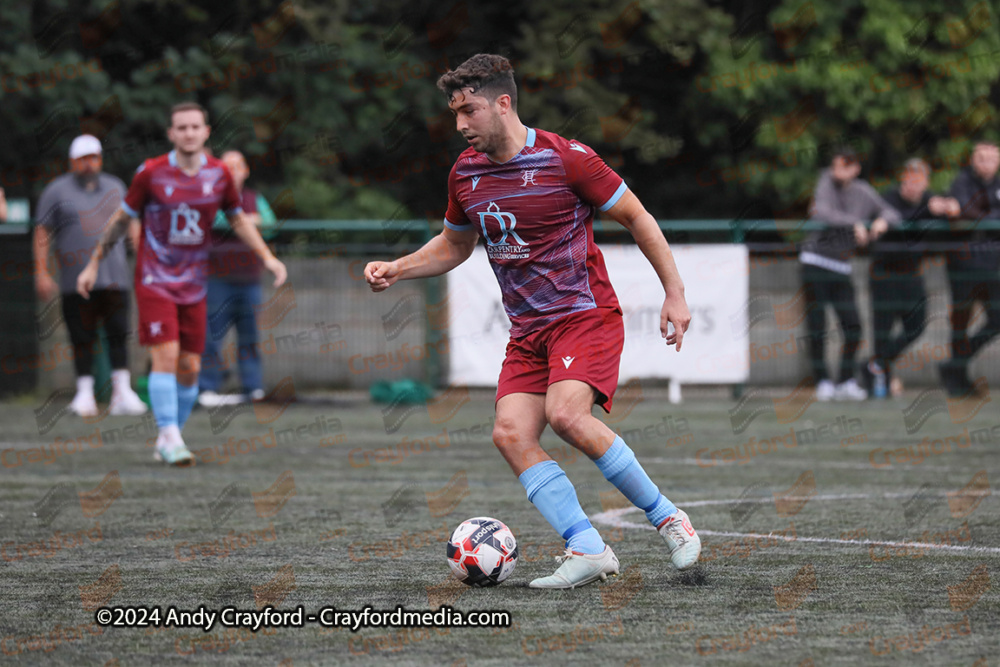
[[487, 74]]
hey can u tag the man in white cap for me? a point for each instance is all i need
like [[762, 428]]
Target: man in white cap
[[72, 213]]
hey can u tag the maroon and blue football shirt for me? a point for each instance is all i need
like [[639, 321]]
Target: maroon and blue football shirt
[[177, 211], [536, 212]]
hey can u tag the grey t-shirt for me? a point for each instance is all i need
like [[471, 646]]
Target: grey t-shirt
[[76, 218]]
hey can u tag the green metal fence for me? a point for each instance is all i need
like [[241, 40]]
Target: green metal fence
[[326, 258]]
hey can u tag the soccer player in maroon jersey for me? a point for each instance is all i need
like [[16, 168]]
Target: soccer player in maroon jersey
[[532, 195], [177, 196]]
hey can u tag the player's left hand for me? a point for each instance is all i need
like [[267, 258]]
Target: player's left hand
[[675, 311], [275, 266]]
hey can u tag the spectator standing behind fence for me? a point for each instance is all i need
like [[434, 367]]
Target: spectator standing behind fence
[[233, 294], [895, 277], [843, 202], [73, 211], [972, 268], [3, 207]]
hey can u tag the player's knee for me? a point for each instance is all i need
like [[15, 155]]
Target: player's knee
[[505, 434], [165, 363], [188, 365], [563, 420]]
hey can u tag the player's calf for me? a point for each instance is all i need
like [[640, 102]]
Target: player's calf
[[620, 467]]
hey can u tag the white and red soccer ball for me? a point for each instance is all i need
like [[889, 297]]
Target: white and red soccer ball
[[482, 551]]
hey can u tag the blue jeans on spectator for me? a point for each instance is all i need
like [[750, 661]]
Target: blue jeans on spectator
[[231, 303]]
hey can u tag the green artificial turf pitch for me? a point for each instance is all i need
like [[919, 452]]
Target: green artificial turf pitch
[[340, 502]]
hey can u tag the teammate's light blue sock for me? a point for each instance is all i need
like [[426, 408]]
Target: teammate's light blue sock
[[163, 396], [620, 467], [552, 493], [186, 396]]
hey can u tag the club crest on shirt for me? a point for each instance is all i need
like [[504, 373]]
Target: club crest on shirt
[[500, 225], [190, 233]]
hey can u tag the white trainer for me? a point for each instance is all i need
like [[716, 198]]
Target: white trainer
[[208, 399], [825, 390], [127, 402], [579, 569], [681, 538], [170, 448], [84, 405], [849, 390], [211, 399]]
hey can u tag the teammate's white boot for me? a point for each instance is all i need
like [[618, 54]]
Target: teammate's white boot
[[681, 538], [579, 569], [170, 448]]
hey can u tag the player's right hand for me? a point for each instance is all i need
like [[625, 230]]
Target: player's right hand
[[45, 287], [381, 275], [85, 282]]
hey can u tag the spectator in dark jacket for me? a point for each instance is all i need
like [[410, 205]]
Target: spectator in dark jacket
[[972, 268], [896, 280]]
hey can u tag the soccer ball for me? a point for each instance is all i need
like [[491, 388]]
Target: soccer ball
[[482, 551]]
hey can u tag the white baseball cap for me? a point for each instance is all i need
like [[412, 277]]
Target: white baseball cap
[[85, 144]]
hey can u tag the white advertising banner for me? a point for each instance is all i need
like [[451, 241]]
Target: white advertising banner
[[716, 282]]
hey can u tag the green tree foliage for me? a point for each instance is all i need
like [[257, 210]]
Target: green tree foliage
[[708, 109], [892, 79]]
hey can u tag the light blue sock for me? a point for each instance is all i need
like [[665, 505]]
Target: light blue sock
[[163, 396], [552, 493], [620, 467], [186, 396]]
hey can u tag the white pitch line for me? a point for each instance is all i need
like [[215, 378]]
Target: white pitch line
[[844, 496], [611, 518], [791, 463]]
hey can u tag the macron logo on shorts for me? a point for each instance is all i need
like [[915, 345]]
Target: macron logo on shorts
[[568, 360], [155, 328]]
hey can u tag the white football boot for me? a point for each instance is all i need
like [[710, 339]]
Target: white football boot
[[579, 569], [681, 538], [170, 448]]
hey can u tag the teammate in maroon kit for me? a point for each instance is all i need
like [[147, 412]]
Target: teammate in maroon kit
[[177, 196], [532, 195]]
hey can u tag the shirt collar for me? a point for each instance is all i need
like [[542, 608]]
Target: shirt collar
[[172, 158], [529, 142]]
